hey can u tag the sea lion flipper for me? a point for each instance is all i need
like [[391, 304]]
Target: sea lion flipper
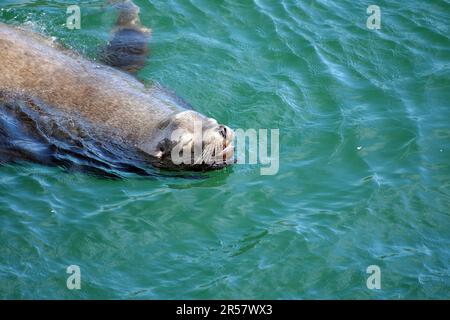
[[128, 47]]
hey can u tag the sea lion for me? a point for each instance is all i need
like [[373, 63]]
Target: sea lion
[[111, 103]]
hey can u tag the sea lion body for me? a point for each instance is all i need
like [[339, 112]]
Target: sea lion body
[[115, 104], [114, 100]]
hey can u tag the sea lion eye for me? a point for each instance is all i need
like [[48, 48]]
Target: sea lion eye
[[163, 146]]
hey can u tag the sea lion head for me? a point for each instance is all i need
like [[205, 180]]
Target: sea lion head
[[192, 141]]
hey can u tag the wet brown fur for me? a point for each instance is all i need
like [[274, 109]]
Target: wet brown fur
[[117, 102]]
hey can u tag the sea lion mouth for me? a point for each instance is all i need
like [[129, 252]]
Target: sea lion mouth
[[218, 152], [227, 151], [224, 159], [224, 154]]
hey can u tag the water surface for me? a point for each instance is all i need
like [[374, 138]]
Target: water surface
[[364, 171]]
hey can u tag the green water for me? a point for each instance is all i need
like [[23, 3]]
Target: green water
[[364, 171]]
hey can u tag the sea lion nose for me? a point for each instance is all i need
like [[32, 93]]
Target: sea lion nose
[[223, 131]]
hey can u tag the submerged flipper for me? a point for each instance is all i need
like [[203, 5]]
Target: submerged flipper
[[128, 47]]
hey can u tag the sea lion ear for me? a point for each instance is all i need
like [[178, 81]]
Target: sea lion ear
[[151, 148]]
